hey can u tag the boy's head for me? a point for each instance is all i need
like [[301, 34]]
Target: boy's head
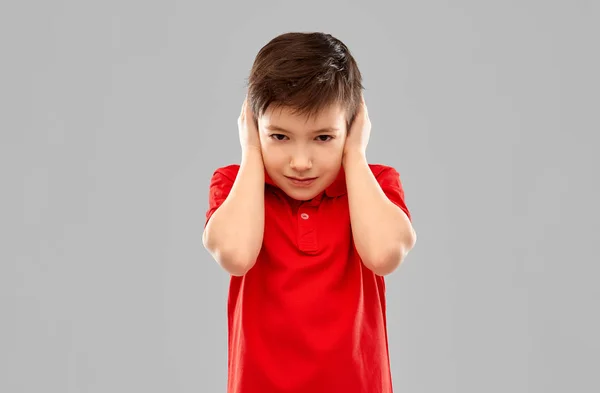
[[304, 90]]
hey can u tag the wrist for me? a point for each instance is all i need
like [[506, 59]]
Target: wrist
[[352, 155], [251, 152]]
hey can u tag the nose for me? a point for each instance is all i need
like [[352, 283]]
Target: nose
[[300, 162]]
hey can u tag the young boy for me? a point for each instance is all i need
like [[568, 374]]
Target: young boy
[[306, 228]]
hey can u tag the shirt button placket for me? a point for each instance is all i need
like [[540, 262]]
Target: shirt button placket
[[307, 236]]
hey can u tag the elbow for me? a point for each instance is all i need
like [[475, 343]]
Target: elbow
[[387, 262], [234, 266], [232, 261], [382, 266]]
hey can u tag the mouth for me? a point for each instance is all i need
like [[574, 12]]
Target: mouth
[[301, 181]]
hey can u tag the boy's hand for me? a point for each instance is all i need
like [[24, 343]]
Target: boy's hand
[[358, 135], [248, 129]]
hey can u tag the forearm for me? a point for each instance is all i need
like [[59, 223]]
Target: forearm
[[234, 233], [382, 232]]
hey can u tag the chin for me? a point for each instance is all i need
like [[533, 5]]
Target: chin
[[304, 194]]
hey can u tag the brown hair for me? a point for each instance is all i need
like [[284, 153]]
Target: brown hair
[[305, 72]]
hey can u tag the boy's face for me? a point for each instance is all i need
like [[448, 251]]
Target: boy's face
[[295, 147]]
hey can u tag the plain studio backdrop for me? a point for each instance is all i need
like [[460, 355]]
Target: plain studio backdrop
[[114, 115]]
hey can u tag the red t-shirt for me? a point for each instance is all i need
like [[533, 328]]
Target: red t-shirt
[[308, 317]]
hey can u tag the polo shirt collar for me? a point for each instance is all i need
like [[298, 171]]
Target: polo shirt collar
[[335, 189]]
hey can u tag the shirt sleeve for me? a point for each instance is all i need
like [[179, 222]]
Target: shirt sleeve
[[389, 180], [220, 186]]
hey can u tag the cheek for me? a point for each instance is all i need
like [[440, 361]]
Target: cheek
[[331, 158], [272, 156], [337, 150]]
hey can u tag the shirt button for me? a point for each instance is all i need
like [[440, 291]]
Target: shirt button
[[304, 216]]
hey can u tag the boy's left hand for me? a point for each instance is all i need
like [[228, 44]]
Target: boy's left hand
[[360, 130]]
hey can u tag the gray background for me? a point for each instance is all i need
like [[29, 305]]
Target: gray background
[[114, 114]]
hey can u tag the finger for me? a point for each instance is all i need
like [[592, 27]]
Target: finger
[[249, 113], [364, 107], [360, 111], [246, 105]]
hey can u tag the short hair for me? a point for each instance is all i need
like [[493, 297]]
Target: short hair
[[305, 72]]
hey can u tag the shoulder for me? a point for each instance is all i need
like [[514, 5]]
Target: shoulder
[[229, 171], [383, 171], [222, 179], [389, 181]]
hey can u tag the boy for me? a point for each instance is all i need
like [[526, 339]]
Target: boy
[[306, 228]]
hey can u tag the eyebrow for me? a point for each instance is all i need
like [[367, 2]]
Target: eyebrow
[[274, 127]]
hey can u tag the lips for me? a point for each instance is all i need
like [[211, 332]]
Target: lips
[[302, 178], [303, 181]]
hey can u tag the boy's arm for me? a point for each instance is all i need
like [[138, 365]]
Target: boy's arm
[[383, 234], [234, 233]]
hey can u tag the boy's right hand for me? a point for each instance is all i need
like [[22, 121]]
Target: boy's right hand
[[248, 129]]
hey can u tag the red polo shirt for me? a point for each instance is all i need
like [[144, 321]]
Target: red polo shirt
[[308, 317]]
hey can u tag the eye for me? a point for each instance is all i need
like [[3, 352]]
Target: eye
[[278, 137], [327, 138]]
